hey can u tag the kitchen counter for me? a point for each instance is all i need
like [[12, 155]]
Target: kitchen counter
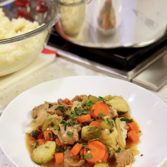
[[56, 68]]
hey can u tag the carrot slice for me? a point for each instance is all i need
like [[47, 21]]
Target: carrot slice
[[96, 152], [133, 136], [84, 118], [133, 126], [95, 123], [100, 108], [76, 149], [41, 141], [48, 135], [105, 157], [67, 101], [59, 158]]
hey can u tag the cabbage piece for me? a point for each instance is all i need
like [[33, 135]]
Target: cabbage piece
[[110, 138], [122, 132], [51, 121], [90, 132], [42, 116]]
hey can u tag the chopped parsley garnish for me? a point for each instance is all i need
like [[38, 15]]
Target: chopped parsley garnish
[[84, 144], [89, 103], [118, 150], [60, 148], [127, 120], [109, 121], [78, 112], [70, 123], [101, 115], [65, 124], [61, 108], [70, 134], [87, 156], [100, 98]]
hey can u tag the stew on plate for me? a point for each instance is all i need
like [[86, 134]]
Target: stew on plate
[[84, 131]]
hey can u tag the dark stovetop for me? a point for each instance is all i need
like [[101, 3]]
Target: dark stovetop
[[120, 58]]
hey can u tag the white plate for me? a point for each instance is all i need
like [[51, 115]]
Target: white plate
[[149, 111]]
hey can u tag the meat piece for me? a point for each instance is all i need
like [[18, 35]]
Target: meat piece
[[124, 158], [55, 109], [51, 108], [41, 108], [68, 135], [78, 98], [70, 162]]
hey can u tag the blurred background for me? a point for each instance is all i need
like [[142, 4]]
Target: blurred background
[[120, 38]]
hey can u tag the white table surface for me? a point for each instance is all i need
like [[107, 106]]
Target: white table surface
[[56, 69]]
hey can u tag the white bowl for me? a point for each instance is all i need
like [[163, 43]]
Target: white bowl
[[20, 41]]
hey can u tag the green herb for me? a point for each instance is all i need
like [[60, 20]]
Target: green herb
[[70, 134], [127, 120], [60, 148], [61, 108], [65, 124], [109, 121], [84, 144], [72, 123], [89, 103], [100, 98], [118, 150], [87, 156], [78, 112], [56, 128], [65, 127], [101, 115]]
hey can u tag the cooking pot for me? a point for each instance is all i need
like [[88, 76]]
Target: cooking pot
[[110, 23]]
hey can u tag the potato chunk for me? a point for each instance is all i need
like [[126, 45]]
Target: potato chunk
[[119, 103], [101, 165], [44, 153]]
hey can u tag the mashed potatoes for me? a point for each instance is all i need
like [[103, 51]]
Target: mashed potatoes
[[14, 27], [15, 55]]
